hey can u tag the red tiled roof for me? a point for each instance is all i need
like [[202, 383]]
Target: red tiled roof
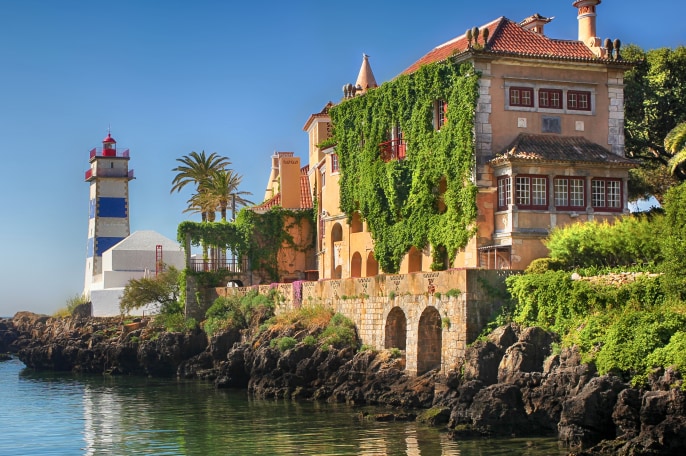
[[305, 194], [507, 37], [529, 147], [305, 191]]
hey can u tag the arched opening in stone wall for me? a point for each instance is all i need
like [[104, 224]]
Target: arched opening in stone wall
[[414, 260], [372, 265], [336, 249], [356, 265], [429, 341], [396, 329], [356, 223]]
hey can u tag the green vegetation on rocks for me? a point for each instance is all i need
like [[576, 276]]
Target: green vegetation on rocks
[[627, 323]]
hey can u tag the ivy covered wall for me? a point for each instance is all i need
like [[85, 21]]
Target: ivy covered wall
[[259, 238], [428, 198]]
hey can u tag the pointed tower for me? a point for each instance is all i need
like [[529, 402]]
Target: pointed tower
[[108, 219], [365, 78]]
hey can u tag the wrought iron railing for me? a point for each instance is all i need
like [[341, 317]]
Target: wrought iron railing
[[207, 265]]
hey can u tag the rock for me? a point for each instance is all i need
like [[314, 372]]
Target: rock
[[481, 362], [526, 355], [499, 410], [586, 418]]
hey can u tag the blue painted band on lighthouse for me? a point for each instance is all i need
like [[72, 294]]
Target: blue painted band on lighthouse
[[111, 207], [105, 243]]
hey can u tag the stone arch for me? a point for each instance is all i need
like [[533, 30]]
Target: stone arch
[[395, 335], [414, 260], [335, 249], [356, 223], [429, 341], [372, 265], [356, 265]]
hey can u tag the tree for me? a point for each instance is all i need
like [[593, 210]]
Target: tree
[[222, 186], [162, 290], [673, 240], [196, 168], [675, 143], [655, 102]]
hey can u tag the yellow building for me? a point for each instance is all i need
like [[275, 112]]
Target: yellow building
[[548, 140]]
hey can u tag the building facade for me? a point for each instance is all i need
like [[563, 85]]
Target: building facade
[[548, 146]]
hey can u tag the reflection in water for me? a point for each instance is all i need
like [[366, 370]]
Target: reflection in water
[[95, 415]]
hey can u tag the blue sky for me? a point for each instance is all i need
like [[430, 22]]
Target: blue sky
[[236, 78]]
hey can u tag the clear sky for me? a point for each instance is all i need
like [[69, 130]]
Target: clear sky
[[170, 77]]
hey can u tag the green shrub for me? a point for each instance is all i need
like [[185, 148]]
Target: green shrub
[[339, 333], [310, 340], [635, 337], [366, 347], [541, 265], [395, 352], [175, 322], [283, 343], [674, 242], [671, 355], [453, 292], [75, 301], [629, 240]]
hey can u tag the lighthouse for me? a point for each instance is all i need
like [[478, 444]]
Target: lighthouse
[[108, 216]]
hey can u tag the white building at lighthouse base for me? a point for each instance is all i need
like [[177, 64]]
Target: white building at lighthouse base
[[134, 257]]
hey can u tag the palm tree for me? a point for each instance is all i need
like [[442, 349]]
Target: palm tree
[[675, 143], [196, 168], [223, 185], [204, 204]]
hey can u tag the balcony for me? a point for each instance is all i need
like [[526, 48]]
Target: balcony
[[392, 150], [229, 265], [109, 153], [108, 172]]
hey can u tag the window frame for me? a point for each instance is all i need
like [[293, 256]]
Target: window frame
[[606, 193], [335, 166], [440, 113], [530, 192], [504, 200], [568, 192], [520, 91], [587, 93], [549, 92]]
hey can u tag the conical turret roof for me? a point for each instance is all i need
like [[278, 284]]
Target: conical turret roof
[[365, 79]]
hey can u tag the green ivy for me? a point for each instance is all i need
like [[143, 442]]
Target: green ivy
[[400, 199], [253, 236]]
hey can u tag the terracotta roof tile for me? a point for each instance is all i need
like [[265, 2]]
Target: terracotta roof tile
[[305, 192], [508, 37], [528, 147]]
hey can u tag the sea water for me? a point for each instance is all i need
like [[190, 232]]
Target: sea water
[[45, 413]]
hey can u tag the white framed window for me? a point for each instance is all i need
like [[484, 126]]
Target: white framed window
[[531, 192], [504, 192]]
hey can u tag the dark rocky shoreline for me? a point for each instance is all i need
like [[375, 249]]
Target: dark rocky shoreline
[[512, 384]]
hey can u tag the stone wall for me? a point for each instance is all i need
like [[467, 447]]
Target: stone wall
[[456, 305]]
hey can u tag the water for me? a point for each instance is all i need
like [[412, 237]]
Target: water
[[66, 414]]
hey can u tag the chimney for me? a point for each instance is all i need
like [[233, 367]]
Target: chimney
[[535, 23], [586, 18]]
